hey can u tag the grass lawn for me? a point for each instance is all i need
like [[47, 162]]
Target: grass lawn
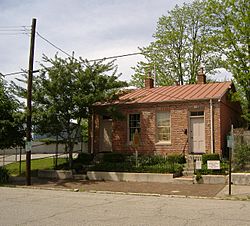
[[36, 164]]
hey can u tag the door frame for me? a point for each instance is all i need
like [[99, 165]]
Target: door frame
[[101, 134], [189, 134]]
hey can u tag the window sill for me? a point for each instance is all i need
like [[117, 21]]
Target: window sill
[[163, 143]]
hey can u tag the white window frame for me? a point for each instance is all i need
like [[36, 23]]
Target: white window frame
[[157, 127]]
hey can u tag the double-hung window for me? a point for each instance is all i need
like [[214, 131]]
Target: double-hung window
[[134, 124], [163, 127]]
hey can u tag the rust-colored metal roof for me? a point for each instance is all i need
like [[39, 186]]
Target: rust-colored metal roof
[[176, 93]]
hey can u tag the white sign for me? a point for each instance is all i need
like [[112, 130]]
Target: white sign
[[28, 146], [213, 164], [198, 165]]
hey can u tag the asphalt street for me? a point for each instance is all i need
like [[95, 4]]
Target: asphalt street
[[19, 206]]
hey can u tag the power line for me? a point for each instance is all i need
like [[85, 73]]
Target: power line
[[13, 30], [105, 58], [46, 40], [20, 33], [14, 73], [14, 26], [118, 56]]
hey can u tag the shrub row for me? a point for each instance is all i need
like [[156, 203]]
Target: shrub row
[[143, 159], [128, 167]]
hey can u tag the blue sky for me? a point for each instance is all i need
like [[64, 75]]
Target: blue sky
[[91, 28]]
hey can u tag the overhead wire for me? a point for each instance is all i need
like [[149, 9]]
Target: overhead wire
[[46, 40], [61, 50], [13, 30]]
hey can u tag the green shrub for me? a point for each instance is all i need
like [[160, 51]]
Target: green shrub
[[206, 157], [241, 157], [175, 158], [84, 158], [128, 167], [114, 157], [112, 166], [149, 160], [160, 168], [4, 175]]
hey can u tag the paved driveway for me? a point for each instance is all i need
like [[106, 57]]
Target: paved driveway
[[43, 207]]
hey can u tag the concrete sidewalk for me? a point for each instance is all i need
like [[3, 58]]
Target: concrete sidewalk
[[142, 188], [237, 191]]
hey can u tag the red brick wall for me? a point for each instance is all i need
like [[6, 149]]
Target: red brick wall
[[230, 113], [179, 119]]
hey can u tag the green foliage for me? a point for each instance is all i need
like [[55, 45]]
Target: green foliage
[[122, 162], [230, 21], [11, 119], [241, 159], [129, 167], [206, 157], [150, 160], [66, 90], [198, 176], [175, 158], [4, 175], [114, 157], [112, 166], [181, 44], [85, 130], [160, 168], [84, 158]]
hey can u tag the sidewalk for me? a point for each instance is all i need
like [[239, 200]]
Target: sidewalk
[[187, 190], [237, 191]]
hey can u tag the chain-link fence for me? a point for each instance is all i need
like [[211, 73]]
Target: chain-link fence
[[241, 151]]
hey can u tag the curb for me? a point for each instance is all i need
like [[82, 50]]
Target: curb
[[226, 197]]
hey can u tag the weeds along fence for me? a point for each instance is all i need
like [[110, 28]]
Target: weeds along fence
[[241, 153]]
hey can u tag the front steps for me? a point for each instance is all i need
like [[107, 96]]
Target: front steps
[[184, 180], [189, 167]]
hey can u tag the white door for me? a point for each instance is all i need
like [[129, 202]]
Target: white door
[[197, 135], [106, 135]]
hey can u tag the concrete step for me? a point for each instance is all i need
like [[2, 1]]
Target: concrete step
[[188, 173], [184, 180], [80, 176]]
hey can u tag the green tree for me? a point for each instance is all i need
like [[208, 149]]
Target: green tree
[[11, 119], [66, 91], [180, 46], [230, 21]]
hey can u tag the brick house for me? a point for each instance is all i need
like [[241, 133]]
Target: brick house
[[188, 119]]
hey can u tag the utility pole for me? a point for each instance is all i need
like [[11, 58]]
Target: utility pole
[[29, 100], [230, 161]]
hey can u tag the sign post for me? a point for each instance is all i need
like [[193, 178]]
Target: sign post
[[230, 145]]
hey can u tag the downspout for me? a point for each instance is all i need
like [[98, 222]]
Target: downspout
[[211, 127], [92, 134]]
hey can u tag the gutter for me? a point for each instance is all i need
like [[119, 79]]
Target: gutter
[[211, 127]]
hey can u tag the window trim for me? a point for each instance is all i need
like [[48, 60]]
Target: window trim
[[168, 142], [128, 127]]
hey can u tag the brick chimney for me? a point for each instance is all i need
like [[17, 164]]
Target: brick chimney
[[201, 77], [149, 81]]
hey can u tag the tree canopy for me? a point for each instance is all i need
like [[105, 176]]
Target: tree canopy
[[66, 91], [11, 119], [181, 44], [230, 23]]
